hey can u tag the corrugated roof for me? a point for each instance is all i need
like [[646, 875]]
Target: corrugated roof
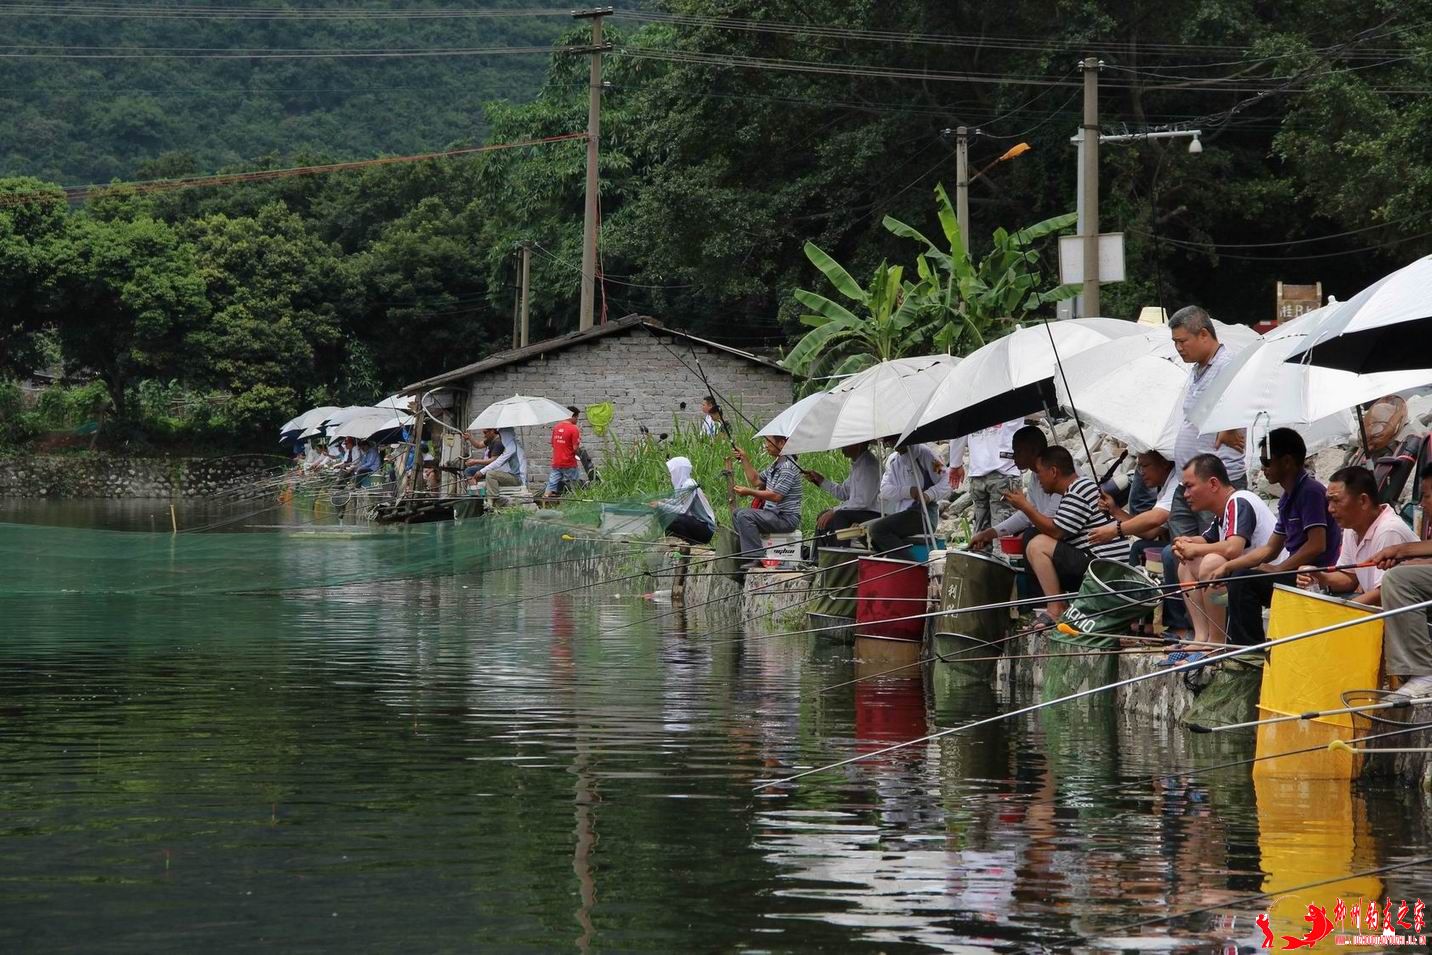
[[619, 326]]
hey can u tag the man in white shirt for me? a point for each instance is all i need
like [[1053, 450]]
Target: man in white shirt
[[1027, 444], [1407, 581], [1368, 528], [992, 471], [858, 494], [913, 474]]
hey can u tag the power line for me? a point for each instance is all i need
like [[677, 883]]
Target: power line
[[264, 175]]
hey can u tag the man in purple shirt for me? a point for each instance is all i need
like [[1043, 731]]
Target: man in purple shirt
[[1305, 535]]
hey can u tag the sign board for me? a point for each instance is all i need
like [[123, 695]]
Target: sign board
[[1111, 258], [1295, 300]]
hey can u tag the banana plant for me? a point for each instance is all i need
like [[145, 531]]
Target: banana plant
[[1003, 288], [891, 318]]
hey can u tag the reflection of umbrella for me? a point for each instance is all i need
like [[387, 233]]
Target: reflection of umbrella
[[874, 404], [1385, 327], [519, 411], [1260, 383], [372, 422], [783, 424], [310, 418], [1132, 387], [1010, 377]]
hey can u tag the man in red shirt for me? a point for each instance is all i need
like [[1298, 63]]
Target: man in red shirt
[[566, 440]]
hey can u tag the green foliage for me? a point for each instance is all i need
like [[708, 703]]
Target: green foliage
[[637, 472]]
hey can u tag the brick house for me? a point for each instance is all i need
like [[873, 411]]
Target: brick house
[[646, 370]]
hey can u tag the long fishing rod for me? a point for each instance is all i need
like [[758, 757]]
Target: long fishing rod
[[1081, 694], [1158, 920], [1247, 761], [1396, 704]]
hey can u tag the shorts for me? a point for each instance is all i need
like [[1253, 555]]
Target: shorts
[[561, 478]]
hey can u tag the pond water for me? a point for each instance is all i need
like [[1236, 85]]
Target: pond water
[[430, 764]]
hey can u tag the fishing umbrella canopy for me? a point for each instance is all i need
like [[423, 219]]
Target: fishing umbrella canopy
[[519, 411], [1009, 377], [785, 423], [330, 423], [1383, 328], [873, 404], [309, 419], [1260, 386], [1131, 388], [371, 423]]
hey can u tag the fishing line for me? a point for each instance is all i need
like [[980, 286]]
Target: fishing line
[[1059, 364], [1281, 892], [1081, 694], [1400, 703]]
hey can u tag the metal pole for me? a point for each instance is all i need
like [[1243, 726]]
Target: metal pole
[[526, 287], [594, 132], [517, 306], [962, 184], [1090, 178]]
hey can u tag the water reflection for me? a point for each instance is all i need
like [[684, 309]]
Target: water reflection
[[366, 765]]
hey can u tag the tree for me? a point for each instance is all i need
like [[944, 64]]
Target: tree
[[32, 218], [279, 296], [842, 342], [1006, 286], [128, 293]]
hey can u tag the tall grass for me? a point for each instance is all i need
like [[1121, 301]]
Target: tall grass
[[637, 472]]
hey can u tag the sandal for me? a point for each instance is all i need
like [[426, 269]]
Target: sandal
[[1173, 659]]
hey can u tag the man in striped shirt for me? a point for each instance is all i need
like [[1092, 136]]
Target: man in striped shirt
[[1062, 550], [775, 500]]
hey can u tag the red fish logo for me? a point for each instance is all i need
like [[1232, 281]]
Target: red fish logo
[[1322, 927]]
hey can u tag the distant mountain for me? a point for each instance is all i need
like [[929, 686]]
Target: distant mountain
[[93, 92]]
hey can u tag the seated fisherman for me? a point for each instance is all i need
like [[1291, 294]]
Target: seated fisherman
[[913, 485], [1407, 580], [1305, 535], [508, 468], [1027, 444], [858, 494], [1241, 522], [775, 495], [1147, 526], [1368, 528], [687, 514], [369, 461], [1063, 550]]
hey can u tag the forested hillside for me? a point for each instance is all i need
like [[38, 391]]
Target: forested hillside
[[733, 133]]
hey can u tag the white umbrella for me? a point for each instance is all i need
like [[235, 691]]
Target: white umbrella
[[1009, 377], [873, 404], [1383, 328], [310, 418], [337, 416], [1131, 388], [519, 411], [398, 402], [783, 424], [366, 425], [1260, 383]]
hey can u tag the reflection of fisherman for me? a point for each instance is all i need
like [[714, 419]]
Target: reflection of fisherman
[[776, 499], [913, 474], [687, 514]]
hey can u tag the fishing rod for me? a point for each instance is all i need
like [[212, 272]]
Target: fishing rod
[[1291, 890], [1249, 761], [1397, 704], [1338, 745], [1081, 694]]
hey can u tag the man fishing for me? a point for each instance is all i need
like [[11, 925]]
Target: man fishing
[[775, 495], [1147, 526], [1406, 642], [1305, 534], [1027, 444], [858, 494], [913, 485], [1368, 528]]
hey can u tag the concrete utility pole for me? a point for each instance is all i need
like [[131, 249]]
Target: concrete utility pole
[[526, 287], [516, 301], [594, 133], [1089, 177], [962, 184]]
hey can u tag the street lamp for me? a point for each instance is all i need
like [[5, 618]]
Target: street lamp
[[963, 179]]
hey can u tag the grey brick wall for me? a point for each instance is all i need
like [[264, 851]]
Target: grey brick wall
[[643, 380]]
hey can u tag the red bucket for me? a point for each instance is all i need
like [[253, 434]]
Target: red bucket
[[887, 591], [1012, 545]]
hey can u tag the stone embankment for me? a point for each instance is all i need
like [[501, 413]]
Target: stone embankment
[[99, 475]]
